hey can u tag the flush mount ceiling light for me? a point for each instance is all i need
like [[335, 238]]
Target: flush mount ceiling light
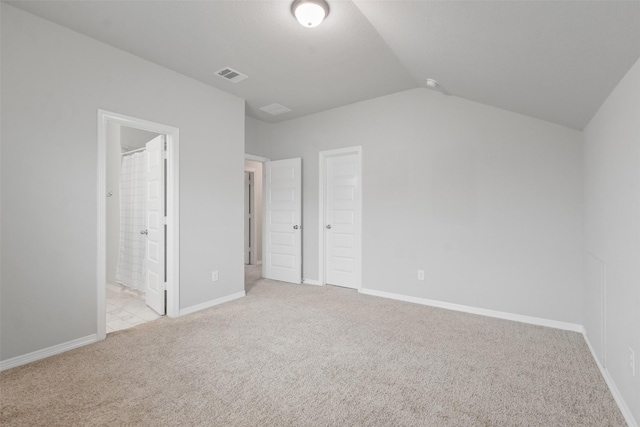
[[310, 13], [432, 83]]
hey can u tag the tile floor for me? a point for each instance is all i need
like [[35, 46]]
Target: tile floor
[[126, 309]]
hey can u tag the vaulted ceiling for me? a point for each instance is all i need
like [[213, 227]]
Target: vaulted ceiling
[[553, 60]]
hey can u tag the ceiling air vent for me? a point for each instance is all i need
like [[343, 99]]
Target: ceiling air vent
[[275, 109], [231, 75]]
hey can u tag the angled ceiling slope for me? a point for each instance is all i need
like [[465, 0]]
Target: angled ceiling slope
[[553, 60], [556, 61]]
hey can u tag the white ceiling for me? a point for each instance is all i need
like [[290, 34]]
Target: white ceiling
[[554, 60]]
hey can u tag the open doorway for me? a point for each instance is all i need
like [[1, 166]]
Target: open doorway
[[137, 222], [127, 301], [253, 170]]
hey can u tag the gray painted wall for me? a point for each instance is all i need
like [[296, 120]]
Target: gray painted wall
[[612, 233], [258, 137], [487, 202], [53, 83]]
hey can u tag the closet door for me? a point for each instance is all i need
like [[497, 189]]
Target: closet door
[[342, 213]]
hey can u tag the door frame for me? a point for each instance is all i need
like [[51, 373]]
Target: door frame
[[173, 203], [322, 193], [262, 160], [253, 227]]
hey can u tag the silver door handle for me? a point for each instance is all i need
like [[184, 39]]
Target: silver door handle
[[328, 227], [295, 227], [144, 232]]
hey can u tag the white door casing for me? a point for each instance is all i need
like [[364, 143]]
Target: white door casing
[[340, 204], [173, 211], [247, 217], [283, 217], [257, 199], [155, 254]]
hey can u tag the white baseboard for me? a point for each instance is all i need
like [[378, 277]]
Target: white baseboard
[[211, 303], [480, 311], [46, 352], [311, 282], [626, 412]]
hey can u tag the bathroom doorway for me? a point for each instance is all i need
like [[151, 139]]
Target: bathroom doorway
[[138, 228], [128, 151]]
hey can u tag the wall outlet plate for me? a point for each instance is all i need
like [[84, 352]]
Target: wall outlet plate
[[214, 276], [420, 274]]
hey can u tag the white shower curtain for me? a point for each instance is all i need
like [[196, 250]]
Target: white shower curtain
[[131, 271]]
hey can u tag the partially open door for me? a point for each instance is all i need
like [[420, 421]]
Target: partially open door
[[155, 254], [283, 218]]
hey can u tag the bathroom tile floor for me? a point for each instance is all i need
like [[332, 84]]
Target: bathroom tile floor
[[126, 309]]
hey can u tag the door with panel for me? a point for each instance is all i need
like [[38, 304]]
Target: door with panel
[[155, 253], [282, 220], [342, 214]]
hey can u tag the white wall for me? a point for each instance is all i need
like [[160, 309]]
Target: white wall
[[487, 202], [257, 137], [612, 233], [53, 83]]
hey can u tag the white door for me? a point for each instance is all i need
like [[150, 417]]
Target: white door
[[247, 217], [283, 217], [342, 231], [154, 292]]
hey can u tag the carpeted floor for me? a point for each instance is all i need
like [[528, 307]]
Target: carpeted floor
[[295, 355]]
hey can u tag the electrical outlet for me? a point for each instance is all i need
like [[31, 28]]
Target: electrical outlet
[[420, 274], [632, 362], [214, 276]]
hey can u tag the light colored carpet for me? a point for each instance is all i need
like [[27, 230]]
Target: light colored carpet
[[295, 355]]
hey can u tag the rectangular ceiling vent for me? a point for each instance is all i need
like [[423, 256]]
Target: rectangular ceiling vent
[[275, 109], [231, 75]]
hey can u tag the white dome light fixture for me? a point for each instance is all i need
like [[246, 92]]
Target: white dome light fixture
[[310, 13]]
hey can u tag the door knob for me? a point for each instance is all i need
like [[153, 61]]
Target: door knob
[[144, 232], [328, 227], [295, 227]]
